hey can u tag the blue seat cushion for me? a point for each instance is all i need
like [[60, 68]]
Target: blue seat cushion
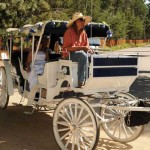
[[94, 41]]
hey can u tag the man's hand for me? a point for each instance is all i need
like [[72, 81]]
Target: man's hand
[[91, 51], [88, 49]]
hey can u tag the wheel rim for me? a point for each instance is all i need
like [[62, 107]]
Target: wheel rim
[[3, 89], [74, 125], [116, 128]]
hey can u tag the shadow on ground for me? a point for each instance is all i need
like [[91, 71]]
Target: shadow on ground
[[25, 132], [34, 132], [108, 144], [141, 87]]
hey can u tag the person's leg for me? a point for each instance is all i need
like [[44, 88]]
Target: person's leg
[[81, 58]]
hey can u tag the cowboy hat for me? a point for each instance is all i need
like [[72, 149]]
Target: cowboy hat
[[77, 16]]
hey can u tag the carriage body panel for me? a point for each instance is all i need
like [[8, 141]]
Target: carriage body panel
[[112, 72]]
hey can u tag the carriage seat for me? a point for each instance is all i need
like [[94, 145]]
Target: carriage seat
[[54, 57], [49, 77], [71, 71], [94, 42]]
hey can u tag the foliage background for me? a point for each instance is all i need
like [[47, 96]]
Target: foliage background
[[128, 19]]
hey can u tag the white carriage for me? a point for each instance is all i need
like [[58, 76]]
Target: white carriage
[[104, 100]]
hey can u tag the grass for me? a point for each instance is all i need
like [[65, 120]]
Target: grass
[[123, 46]]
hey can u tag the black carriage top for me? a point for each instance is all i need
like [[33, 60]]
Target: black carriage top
[[92, 29], [59, 27]]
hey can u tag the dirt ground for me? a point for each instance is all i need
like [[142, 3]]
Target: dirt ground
[[34, 132]]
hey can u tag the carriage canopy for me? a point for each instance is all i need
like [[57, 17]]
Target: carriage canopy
[[59, 27]]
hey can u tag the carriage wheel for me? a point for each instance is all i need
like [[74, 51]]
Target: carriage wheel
[[74, 125], [4, 97], [116, 128]]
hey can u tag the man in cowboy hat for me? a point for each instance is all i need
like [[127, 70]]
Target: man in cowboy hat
[[75, 41]]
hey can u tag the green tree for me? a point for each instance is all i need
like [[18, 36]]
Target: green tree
[[15, 13], [147, 22], [119, 25], [127, 18]]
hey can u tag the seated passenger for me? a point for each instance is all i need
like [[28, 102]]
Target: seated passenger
[[76, 42], [38, 67], [57, 48], [46, 43], [53, 40]]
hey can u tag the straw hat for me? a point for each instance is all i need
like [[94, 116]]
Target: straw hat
[[78, 15]]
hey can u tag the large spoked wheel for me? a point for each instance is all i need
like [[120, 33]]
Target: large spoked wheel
[[74, 125], [4, 97], [116, 127]]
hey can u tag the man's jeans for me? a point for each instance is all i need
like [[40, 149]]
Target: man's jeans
[[81, 58]]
